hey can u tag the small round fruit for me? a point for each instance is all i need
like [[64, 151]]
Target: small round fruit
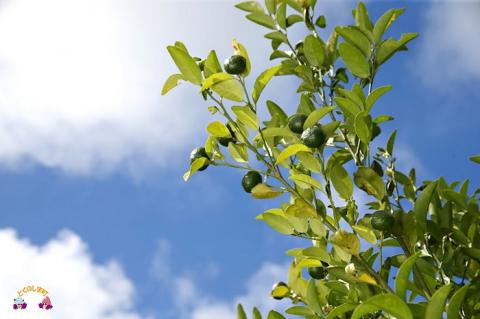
[[295, 123], [317, 272], [197, 153], [236, 64], [314, 136], [225, 140], [250, 180], [382, 220], [280, 290]]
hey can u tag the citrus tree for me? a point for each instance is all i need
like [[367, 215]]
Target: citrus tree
[[421, 256]]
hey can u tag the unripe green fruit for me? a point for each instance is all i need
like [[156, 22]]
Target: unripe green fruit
[[280, 290], [317, 272], [295, 123], [250, 180], [197, 153], [314, 136], [382, 220], [236, 64]]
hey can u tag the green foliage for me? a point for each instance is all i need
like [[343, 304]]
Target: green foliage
[[316, 160]]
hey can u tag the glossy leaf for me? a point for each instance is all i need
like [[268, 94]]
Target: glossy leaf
[[391, 46], [389, 303], [384, 22], [262, 81], [475, 159], [274, 315], [436, 305], [186, 64], [218, 129], [375, 95], [300, 208], [279, 223], [172, 81], [196, 165], [421, 207], [240, 312], [310, 181], [341, 181], [355, 37], [238, 152], [340, 310], [212, 65], [262, 19], [292, 150], [246, 116], [455, 304], [316, 116], [314, 50], [347, 241], [369, 181], [354, 60], [312, 297], [363, 127], [366, 233], [402, 277]]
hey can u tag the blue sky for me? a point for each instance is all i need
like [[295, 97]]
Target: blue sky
[[92, 157]]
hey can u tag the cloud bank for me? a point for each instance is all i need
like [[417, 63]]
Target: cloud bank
[[79, 288]]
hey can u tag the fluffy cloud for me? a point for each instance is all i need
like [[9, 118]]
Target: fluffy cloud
[[450, 43], [190, 302], [78, 287]]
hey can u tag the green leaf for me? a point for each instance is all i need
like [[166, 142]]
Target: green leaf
[[363, 127], [391, 142], [314, 50], [421, 207], [309, 162], [241, 50], [318, 229], [274, 315], [367, 179], [196, 165], [321, 22], [391, 46], [212, 65], [366, 233], [361, 17], [277, 113], [282, 15], [348, 107], [341, 181], [384, 22], [316, 116], [229, 89], [262, 19], [271, 6], [305, 179], [250, 6], [354, 60], [436, 304], [293, 18], [347, 241], [300, 208], [238, 152], [356, 37], [246, 116], [312, 297], [171, 82], [376, 94], [278, 131], [218, 129], [401, 280], [256, 313], [472, 252], [292, 150], [215, 78], [278, 223], [186, 64], [263, 191], [277, 35], [340, 310], [240, 312], [299, 311], [389, 303], [262, 81], [475, 159], [455, 304]]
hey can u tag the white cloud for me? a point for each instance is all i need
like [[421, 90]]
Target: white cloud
[[450, 44], [191, 302], [80, 80], [78, 287]]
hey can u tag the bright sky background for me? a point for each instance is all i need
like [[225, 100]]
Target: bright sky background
[[92, 204]]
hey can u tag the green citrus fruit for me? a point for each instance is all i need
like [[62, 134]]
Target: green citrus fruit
[[280, 290], [317, 272], [295, 123], [197, 153], [250, 180], [314, 136], [382, 220], [236, 64]]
